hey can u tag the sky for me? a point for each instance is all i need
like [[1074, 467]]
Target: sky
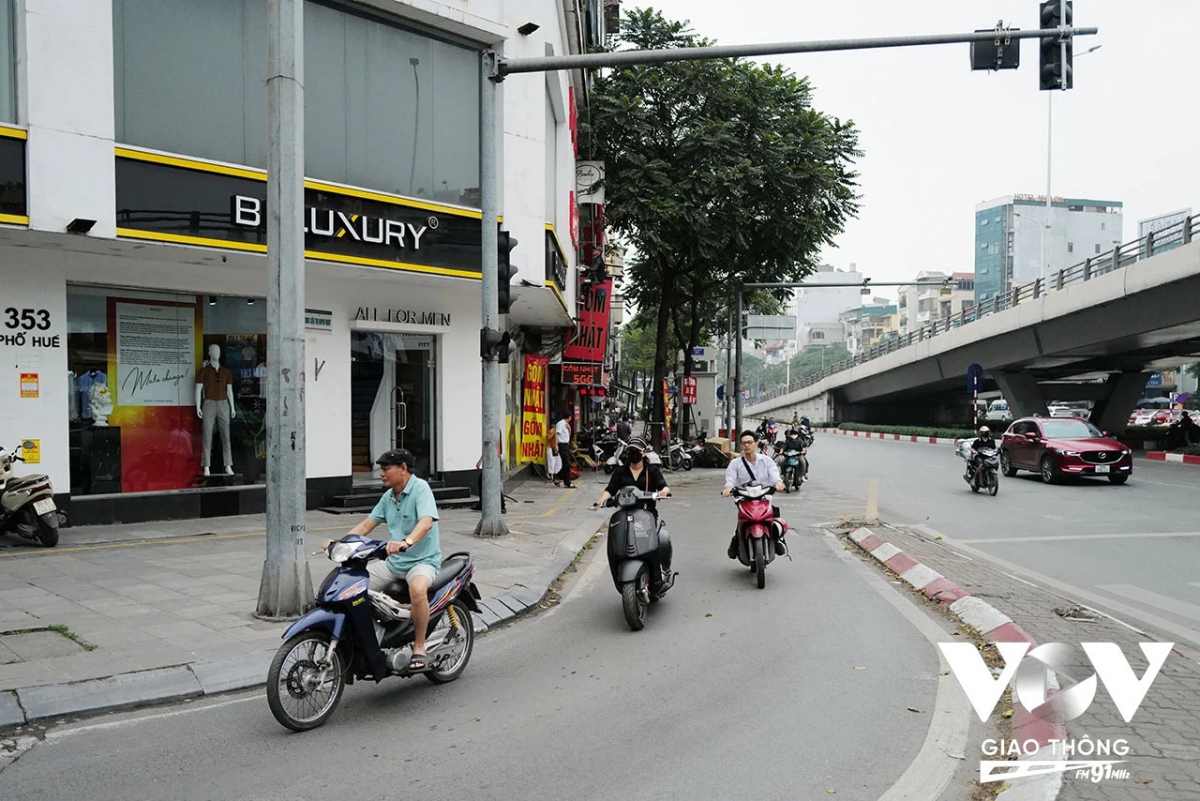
[[939, 138]]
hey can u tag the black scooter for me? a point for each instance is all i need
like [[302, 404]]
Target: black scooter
[[357, 633], [639, 553]]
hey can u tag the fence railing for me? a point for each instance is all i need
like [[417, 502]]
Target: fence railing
[[1120, 257]]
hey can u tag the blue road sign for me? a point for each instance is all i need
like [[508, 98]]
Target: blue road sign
[[974, 379]]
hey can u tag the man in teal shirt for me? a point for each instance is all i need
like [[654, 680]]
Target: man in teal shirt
[[414, 551]]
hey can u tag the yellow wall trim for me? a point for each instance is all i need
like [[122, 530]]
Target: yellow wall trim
[[13, 133], [14, 219]]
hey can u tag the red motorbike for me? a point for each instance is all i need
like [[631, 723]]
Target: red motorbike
[[758, 528]]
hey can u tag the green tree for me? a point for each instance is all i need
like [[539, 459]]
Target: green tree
[[715, 171], [814, 358]]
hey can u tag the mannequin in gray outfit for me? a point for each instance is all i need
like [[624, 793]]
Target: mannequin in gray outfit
[[214, 404]]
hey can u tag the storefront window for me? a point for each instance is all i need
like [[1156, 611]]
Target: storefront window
[[8, 61], [150, 375], [385, 107]]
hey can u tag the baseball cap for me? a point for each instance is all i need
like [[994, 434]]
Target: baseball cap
[[397, 456], [638, 442]]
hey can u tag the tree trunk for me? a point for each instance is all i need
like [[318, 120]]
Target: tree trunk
[[665, 308]]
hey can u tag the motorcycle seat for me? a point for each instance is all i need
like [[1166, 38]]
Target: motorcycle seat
[[451, 567]]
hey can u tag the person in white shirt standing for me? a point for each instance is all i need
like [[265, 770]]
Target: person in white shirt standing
[[562, 430], [752, 466]]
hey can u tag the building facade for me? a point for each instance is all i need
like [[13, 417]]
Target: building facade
[[944, 296], [133, 147], [870, 324], [1018, 240], [816, 305]]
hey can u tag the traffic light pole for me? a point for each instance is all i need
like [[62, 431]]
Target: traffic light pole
[[490, 524], [496, 69]]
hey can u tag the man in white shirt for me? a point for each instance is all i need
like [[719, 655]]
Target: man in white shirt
[[752, 466], [562, 430]]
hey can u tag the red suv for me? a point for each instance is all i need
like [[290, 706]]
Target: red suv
[[1060, 447]]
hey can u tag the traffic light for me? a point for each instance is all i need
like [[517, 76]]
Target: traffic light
[[505, 271], [494, 343], [1055, 70]]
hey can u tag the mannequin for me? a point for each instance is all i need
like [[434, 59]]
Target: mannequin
[[214, 404]]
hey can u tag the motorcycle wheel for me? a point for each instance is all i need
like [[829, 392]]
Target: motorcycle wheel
[[462, 630], [632, 605], [760, 562], [687, 462], [993, 483], [295, 699], [45, 533]]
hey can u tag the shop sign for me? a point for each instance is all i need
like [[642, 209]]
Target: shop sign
[[689, 390], [591, 340], [31, 451], [29, 385], [27, 327], [574, 373], [216, 206], [14, 203], [589, 181], [408, 316], [318, 320], [534, 422]]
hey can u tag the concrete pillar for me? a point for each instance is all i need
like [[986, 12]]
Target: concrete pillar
[[286, 588], [1023, 394], [1111, 414]]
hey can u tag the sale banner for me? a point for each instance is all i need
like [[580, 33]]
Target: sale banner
[[534, 421]]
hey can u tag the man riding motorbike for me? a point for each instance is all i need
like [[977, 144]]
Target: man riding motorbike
[[753, 466], [794, 440], [984, 441]]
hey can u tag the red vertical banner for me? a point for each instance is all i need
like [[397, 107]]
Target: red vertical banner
[[592, 339], [689, 390], [534, 422], [666, 393]]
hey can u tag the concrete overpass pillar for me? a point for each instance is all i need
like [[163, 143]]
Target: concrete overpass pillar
[[1023, 394], [1111, 413]]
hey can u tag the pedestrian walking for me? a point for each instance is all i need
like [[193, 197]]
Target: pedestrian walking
[[562, 431]]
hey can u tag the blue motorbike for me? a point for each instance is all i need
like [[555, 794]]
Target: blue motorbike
[[358, 633]]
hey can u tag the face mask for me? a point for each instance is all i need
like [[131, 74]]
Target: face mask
[[635, 456]]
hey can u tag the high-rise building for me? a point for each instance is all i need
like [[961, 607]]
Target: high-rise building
[[1017, 242], [818, 305]]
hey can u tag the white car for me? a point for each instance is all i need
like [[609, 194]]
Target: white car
[[1142, 417], [999, 410]]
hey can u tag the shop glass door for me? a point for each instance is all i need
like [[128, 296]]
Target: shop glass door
[[393, 399]]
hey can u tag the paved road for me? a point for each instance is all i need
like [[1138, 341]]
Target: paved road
[[730, 692], [1130, 550]]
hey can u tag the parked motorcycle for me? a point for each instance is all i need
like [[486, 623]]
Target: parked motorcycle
[[756, 528], [678, 455], [604, 447], [987, 475], [345, 638], [639, 553], [614, 459], [27, 506]]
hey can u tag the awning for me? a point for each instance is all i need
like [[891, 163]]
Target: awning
[[539, 306]]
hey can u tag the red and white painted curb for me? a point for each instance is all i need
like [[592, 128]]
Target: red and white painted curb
[[992, 625], [1177, 458], [894, 437]]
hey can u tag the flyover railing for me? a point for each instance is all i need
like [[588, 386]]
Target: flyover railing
[[1120, 257]]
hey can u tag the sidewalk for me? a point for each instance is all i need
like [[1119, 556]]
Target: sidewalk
[[131, 614]]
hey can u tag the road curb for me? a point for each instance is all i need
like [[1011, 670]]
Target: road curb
[[1173, 458], [993, 626], [890, 437], [33, 704]]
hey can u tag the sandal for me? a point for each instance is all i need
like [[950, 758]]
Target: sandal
[[418, 663]]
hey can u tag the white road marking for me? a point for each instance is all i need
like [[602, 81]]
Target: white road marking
[[1162, 624], [1163, 602], [932, 770], [70, 731], [1066, 537]]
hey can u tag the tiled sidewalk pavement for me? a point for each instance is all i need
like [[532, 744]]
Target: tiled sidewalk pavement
[[167, 608], [1164, 735]]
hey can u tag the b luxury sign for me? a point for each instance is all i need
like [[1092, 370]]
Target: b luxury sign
[[172, 199]]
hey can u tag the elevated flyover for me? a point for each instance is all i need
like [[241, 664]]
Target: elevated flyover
[[1094, 331]]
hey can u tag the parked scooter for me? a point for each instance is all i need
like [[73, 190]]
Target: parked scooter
[[757, 528], [344, 639], [27, 506], [639, 553], [614, 460], [678, 455], [986, 476], [604, 446]]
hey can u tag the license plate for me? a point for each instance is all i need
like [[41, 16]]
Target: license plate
[[1102, 468], [44, 506]]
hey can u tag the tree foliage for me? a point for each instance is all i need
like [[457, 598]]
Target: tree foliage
[[716, 171]]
